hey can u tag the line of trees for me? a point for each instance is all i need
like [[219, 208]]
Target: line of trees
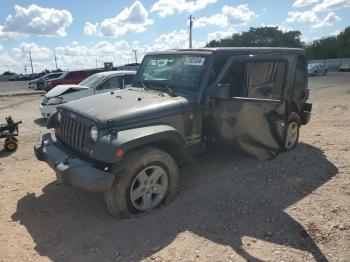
[[328, 47]]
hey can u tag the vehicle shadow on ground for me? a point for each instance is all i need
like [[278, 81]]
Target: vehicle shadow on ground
[[5, 153], [223, 198], [41, 121]]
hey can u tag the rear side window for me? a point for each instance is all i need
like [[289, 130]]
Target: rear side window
[[113, 83], [265, 79], [71, 75], [300, 74], [83, 74]]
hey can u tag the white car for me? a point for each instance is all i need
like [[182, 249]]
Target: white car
[[95, 84]]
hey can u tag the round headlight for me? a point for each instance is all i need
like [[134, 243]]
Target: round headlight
[[93, 133], [59, 116]]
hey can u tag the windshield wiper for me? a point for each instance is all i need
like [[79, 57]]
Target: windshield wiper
[[162, 87]]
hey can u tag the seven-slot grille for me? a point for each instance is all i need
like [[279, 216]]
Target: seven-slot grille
[[71, 132]]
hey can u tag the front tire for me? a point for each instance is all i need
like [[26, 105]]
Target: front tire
[[145, 179], [292, 135]]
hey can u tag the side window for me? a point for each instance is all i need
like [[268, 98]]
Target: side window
[[128, 79], [300, 74], [112, 83], [71, 75], [83, 74], [218, 65], [265, 79]]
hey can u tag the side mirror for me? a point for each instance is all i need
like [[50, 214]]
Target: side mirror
[[220, 91]]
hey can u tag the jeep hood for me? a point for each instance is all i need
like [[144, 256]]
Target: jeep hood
[[61, 89], [127, 106]]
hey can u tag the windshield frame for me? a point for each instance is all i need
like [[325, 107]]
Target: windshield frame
[[176, 88]]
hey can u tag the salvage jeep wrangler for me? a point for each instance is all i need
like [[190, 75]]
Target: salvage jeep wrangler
[[128, 143]]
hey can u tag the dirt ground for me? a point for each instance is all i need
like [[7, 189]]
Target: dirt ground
[[230, 207]]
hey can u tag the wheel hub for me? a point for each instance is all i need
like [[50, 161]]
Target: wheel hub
[[149, 188], [292, 135]]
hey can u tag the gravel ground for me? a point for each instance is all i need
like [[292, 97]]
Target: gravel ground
[[230, 207], [16, 87]]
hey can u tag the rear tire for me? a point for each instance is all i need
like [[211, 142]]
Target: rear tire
[[145, 179], [11, 144], [292, 135]]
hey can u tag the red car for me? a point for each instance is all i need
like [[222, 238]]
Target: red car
[[71, 77]]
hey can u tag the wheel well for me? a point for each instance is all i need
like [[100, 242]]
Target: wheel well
[[171, 147], [294, 108]]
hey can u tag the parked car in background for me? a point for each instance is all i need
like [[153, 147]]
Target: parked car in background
[[344, 68], [94, 84], [317, 69], [72, 77], [39, 83]]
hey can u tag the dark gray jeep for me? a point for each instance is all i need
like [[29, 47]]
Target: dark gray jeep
[[128, 143]]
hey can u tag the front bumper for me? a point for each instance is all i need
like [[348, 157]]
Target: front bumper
[[71, 170]]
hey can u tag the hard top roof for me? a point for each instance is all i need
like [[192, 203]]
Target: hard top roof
[[234, 50]]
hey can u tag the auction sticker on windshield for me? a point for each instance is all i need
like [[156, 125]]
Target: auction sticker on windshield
[[194, 60]]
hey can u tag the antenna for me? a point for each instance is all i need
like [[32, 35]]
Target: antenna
[[191, 25]]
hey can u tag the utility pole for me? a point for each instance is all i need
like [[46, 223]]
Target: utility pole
[[31, 62], [135, 53], [55, 59], [25, 69], [191, 24]]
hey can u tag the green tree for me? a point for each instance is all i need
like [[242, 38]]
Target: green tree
[[262, 37], [8, 73], [330, 47]]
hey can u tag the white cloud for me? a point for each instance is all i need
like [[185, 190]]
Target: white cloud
[[90, 29], [85, 55], [229, 16], [281, 27], [303, 3], [303, 17], [312, 18], [329, 20], [130, 20], [6, 35], [221, 34], [38, 21], [167, 8], [335, 33], [328, 5]]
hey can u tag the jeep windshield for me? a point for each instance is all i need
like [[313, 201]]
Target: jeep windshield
[[181, 73]]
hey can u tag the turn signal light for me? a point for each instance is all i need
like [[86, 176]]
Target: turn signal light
[[120, 153]]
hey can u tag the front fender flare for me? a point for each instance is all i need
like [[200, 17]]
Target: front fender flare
[[108, 144]]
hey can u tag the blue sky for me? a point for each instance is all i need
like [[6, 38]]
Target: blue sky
[[83, 34]]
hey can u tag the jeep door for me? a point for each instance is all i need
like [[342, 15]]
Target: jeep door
[[252, 117]]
